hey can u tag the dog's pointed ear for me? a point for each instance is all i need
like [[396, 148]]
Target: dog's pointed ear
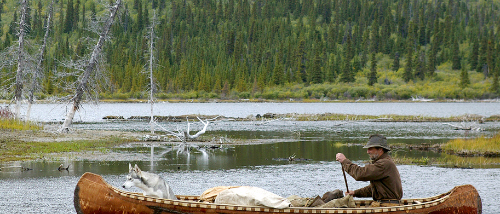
[[137, 169], [130, 169]]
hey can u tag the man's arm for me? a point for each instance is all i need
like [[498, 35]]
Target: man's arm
[[363, 192]]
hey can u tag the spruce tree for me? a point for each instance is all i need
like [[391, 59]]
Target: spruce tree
[[68, 21], [422, 28], [278, 72], [464, 78], [455, 51], [1, 11], [372, 77], [374, 40], [316, 73], [495, 85], [473, 60], [347, 74], [495, 88], [420, 67], [483, 50], [432, 59], [408, 69], [395, 63]]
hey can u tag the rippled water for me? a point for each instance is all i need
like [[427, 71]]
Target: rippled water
[[55, 194]]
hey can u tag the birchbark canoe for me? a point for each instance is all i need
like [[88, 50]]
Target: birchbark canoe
[[93, 195]]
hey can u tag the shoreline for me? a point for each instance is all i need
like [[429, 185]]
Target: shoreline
[[291, 100]]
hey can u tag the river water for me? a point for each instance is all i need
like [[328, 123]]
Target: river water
[[95, 113], [44, 189]]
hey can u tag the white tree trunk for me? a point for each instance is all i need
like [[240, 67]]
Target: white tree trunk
[[151, 83], [82, 85], [28, 111], [38, 70], [21, 63]]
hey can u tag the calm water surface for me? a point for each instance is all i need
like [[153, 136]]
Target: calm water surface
[[95, 113]]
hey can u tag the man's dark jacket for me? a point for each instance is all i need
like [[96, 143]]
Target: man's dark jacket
[[385, 182]]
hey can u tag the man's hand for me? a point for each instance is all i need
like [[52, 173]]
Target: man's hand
[[349, 193], [340, 157]]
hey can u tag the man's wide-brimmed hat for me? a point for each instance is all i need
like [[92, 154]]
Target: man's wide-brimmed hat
[[377, 141]]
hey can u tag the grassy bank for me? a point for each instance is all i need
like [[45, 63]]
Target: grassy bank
[[461, 153], [13, 124], [392, 118], [449, 161], [482, 146], [16, 150], [20, 140]]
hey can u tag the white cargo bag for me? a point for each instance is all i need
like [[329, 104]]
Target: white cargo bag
[[252, 196]]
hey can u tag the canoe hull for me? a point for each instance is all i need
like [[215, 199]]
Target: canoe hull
[[93, 195]]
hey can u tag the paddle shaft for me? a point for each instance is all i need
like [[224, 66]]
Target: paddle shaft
[[345, 179]]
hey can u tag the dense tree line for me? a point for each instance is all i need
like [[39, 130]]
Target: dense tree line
[[219, 46]]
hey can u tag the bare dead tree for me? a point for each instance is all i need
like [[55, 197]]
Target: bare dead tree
[[21, 63], [37, 74], [151, 65], [83, 81]]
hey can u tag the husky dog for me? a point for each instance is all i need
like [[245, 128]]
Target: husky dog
[[152, 184]]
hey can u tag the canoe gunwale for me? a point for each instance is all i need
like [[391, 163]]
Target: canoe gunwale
[[93, 194], [190, 201]]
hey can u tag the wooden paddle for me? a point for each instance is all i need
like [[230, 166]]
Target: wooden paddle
[[345, 179]]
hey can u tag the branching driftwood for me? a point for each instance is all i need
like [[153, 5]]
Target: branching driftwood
[[469, 123], [465, 126], [83, 81], [183, 136]]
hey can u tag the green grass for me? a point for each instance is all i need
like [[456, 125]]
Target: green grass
[[13, 124], [449, 161], [462, 153], [382, 118], [480, 145], [15, 150]]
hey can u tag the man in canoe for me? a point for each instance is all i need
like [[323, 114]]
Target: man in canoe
[[385, 182]]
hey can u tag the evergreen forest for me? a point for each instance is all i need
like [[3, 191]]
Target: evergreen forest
[[262, 49]]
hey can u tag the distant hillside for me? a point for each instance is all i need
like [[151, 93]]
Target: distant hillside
[[258, 49]]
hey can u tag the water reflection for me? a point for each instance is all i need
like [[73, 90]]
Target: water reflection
[[164, 157]]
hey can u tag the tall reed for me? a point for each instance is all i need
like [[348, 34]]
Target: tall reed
[[7, 122], [480, 145]]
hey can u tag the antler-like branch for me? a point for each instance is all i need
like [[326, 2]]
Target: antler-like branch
[[200, 132]]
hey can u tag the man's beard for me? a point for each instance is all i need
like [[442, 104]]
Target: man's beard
[[374, 157]]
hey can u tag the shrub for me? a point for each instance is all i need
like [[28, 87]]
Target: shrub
[[404, 93], [337, 92], [360, 91], [271, 95], [120, 96], [189, 95], [5, 113], [7, 121], [244, 95]]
